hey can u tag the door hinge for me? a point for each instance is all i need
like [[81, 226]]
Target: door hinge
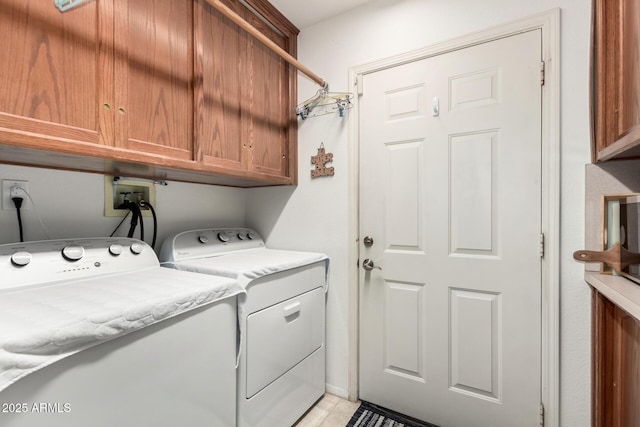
[[542, 73], [541, 245], [541, 415]]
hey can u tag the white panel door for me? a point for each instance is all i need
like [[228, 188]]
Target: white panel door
[[450, 185]]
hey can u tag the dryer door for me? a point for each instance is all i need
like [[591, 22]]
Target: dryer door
[[281, 336]]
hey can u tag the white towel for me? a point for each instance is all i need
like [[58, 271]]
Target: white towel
[[41, 325], [248, 265]]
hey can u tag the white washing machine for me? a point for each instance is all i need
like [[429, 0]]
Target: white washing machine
[[281, 365], [93, 332]]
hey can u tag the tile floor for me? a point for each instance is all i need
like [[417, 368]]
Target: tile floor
[[329, 411]]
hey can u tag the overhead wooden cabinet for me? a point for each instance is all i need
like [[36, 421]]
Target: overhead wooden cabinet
[[168, 89], [246, 99], [615, 91]]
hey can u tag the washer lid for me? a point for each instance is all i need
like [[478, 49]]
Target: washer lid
[[40, 325]]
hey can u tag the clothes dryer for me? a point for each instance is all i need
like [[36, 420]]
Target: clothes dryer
[[281, 364]]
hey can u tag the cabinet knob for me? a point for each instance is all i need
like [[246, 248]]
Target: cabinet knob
[[106, 106], [121, 110]]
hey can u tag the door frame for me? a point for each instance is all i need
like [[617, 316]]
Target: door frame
[[549, 24]]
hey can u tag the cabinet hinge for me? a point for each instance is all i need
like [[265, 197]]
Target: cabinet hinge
[[541, 415], [542, 73], [359, 85], [541, 245]]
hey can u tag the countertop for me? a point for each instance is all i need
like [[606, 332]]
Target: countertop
[[621, 291]]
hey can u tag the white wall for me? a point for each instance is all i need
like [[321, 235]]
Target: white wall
[[314, 216], [71, 204]]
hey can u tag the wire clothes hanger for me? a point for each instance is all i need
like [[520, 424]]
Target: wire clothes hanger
[[325, 102], [64, 5]]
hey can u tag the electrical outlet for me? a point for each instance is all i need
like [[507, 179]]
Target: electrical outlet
[[134, 190], [13, 188]]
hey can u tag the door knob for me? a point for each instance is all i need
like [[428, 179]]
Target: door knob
[[368, 241], [368, 265]]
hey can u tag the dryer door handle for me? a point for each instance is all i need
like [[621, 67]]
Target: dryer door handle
[[292, 309]]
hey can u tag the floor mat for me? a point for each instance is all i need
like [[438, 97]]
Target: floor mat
[[369, 415]]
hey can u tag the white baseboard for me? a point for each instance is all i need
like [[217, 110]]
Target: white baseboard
[[337, 391]]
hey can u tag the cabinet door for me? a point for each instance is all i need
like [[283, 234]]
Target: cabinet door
[[153, 100], [49, 90], [267, 104], [628, 90], [616, 365], [243, 92], [616, 91], [219, 75]]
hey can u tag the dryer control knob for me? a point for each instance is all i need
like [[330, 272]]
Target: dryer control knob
[[242, 236], [251, 235], [115, 249], [136, 248], [73, 253], [223, 237], [20, 259], [203, 239]]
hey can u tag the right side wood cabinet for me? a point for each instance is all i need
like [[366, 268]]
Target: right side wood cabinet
[[167, 89], [615, 365], [615, 86]]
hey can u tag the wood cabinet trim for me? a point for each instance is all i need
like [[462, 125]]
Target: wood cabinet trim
[[293, 118], [106, 74], [627, 147], [595, 359], [273, 15], [27, 149], [593, 89]]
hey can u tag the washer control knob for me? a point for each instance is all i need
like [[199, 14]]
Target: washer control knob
[[251, 235], [115, 249], [242, 236], [223, 237], [73, 253], [20, 259], [203, 239], [136, 248]]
